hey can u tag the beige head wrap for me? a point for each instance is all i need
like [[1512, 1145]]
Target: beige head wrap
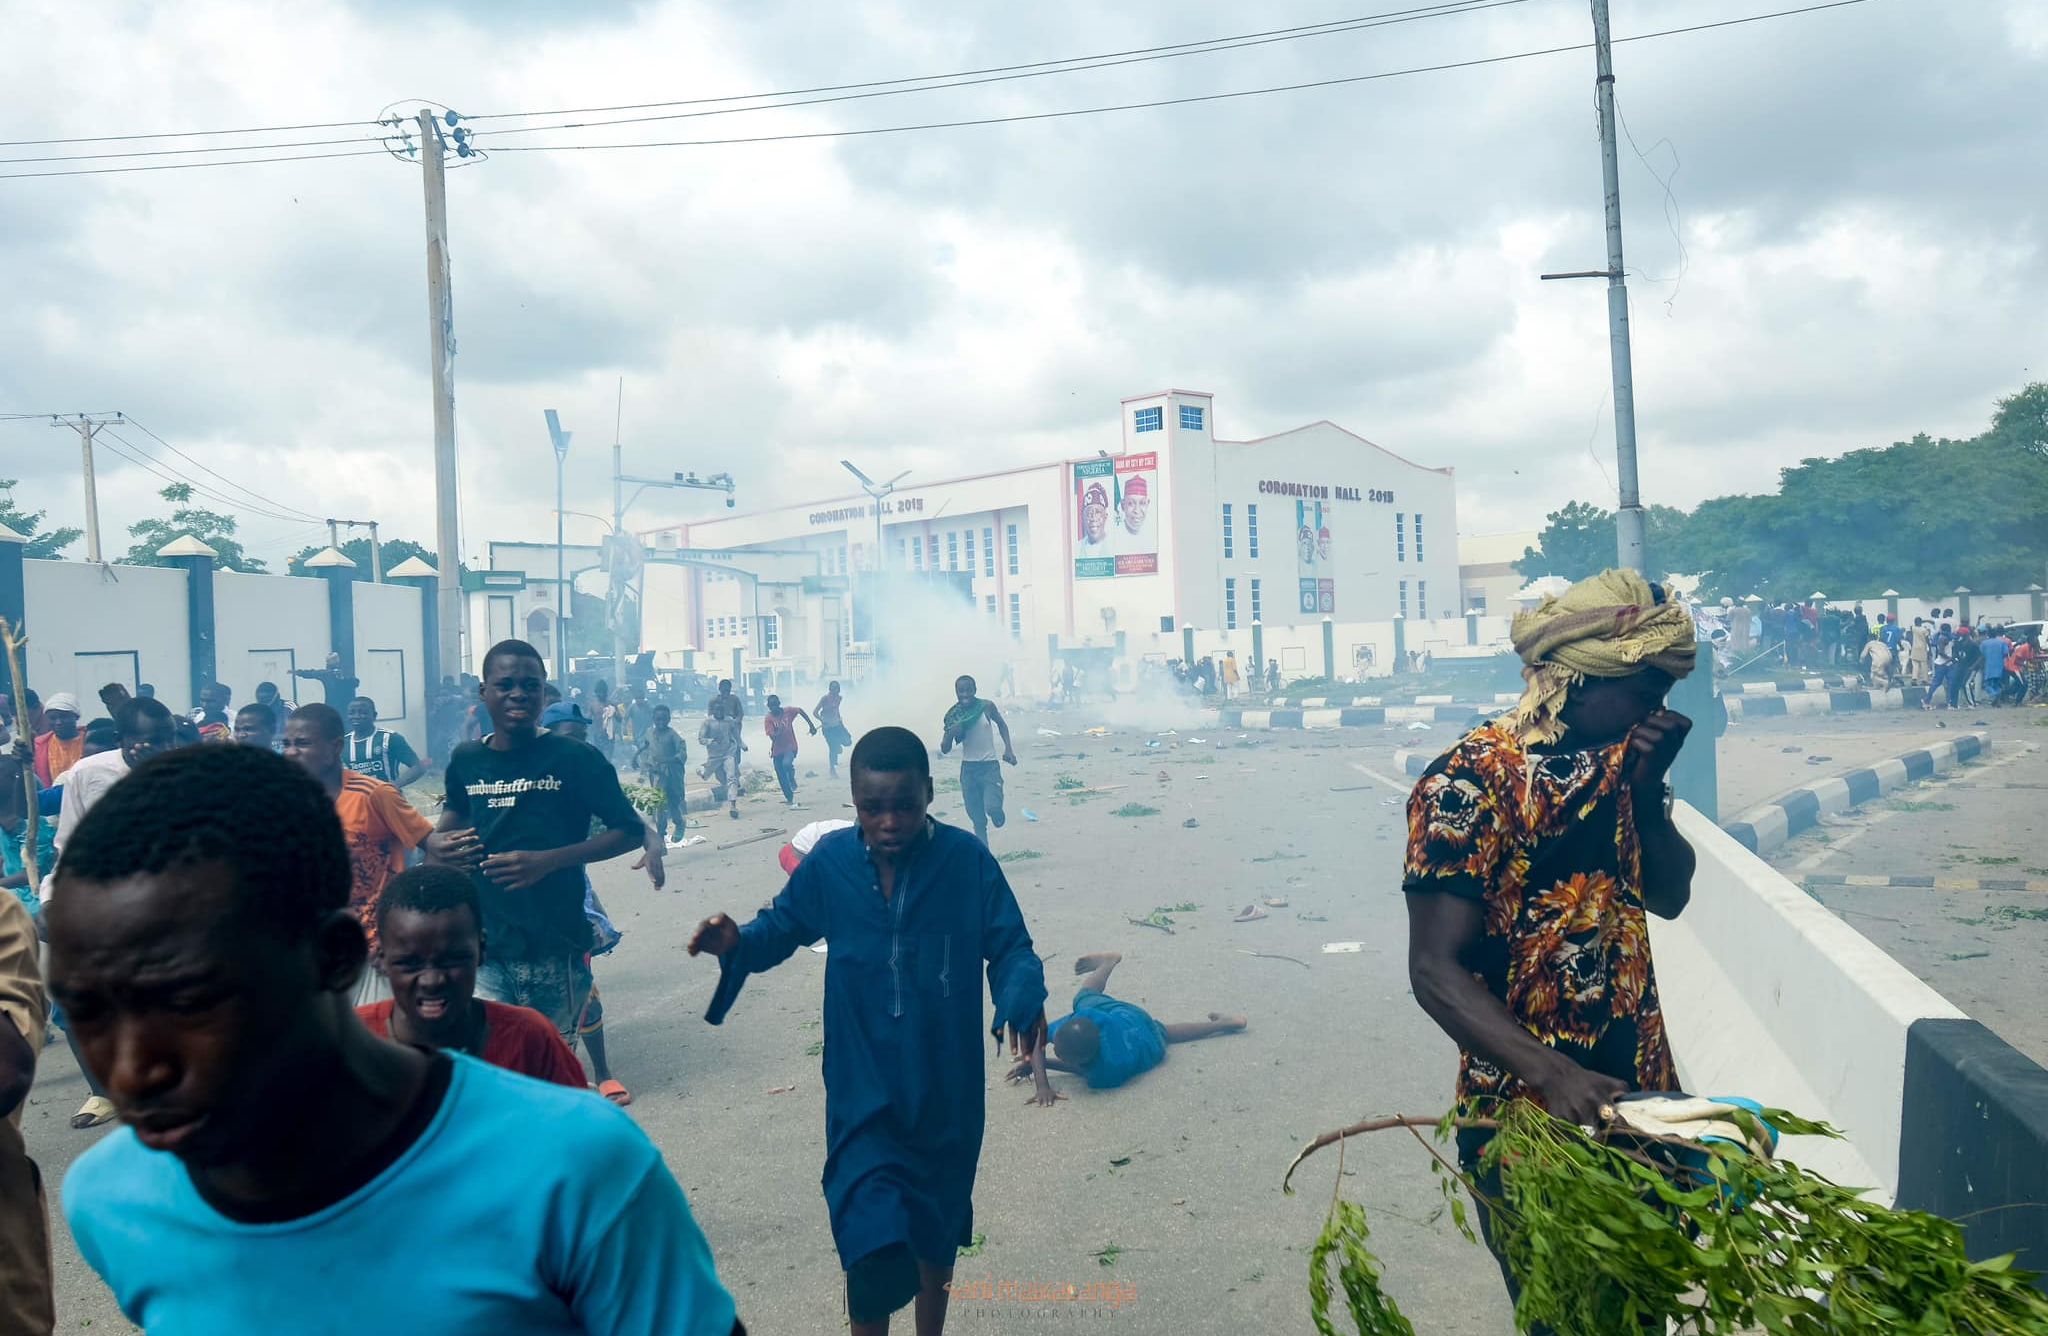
[[1607, 626]]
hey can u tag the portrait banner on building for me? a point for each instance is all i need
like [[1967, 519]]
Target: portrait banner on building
[[1313, 557], [1116, 532]]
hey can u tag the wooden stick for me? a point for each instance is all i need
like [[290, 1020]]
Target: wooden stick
[[752, 839], [1148, 923], [1269, 955], [32, 828]]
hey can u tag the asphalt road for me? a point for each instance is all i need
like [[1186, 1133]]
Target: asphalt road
[[1171, 1186]]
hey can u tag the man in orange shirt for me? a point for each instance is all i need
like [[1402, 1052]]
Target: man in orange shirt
[[379, 826], [64, 745]]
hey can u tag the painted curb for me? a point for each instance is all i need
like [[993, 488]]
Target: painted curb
[[1830, 701], [1778, 686], [1854, 880], [1323, 702], [1349, 716], [1763, 828]]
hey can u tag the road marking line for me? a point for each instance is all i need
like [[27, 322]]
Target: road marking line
[[1395, 785]]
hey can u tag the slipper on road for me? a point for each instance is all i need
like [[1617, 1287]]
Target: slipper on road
[[615, 1092]]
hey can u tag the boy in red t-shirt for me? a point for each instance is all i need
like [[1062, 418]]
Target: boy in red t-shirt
[[781, 728], [430, 940]]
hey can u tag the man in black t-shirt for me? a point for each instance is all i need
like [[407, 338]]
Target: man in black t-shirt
[[518, 813]]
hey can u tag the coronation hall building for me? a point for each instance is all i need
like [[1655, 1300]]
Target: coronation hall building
[[1176, 527]]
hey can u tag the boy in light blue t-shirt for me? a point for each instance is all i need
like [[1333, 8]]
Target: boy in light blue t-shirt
[[281, 1169], [1106, 1040]]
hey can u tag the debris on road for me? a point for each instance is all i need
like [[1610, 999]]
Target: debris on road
[[1275, 902], [752, 839], [778, 1090], [1342, 948], [1249, 914], [1030, 815], [1190, 823], [1050, 733], [1272, 955]]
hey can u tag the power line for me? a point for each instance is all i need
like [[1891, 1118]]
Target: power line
[[1305, 29], [179, 152], [135, 454], [1171, 101], [990, 120], [178, 166], [1073, 65], [185, 134], [251, 492]]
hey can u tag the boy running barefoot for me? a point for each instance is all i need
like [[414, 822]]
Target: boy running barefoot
[[912, 909], [1106, 1040]]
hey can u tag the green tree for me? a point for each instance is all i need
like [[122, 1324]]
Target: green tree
[[2022, 420], [393, 552], [1576, 542], [210, 527], [43, 544]]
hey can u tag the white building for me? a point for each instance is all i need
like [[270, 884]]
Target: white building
[[1172, 528]]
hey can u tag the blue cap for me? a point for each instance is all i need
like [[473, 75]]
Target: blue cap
[[563, 712]]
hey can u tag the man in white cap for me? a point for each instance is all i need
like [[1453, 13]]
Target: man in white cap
[[64, 744]]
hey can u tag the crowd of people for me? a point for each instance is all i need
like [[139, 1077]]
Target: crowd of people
[[416, 991]]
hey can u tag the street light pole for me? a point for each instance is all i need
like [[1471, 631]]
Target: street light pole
[[621, 503], [560, 439]]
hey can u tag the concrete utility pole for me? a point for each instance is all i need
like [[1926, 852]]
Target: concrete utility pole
[[334, 528], [1628, 519], [717, 482], [441, 338], [88, 425], [561, 439]]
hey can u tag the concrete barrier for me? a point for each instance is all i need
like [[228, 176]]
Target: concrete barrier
[[1768, 994], [1350, 716]]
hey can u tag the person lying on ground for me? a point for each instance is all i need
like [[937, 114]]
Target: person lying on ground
[[430, 941], [1106, 1040]]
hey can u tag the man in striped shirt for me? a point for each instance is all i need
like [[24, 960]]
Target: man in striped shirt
[[378, 825]]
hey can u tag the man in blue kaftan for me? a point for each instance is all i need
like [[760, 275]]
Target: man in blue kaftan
[[911, 909]]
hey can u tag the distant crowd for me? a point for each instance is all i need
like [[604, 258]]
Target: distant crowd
[[1958, 663]]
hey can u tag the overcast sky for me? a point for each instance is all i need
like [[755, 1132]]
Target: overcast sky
[[1858, 193]]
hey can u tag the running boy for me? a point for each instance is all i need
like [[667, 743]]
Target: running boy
[[430, 940], [1106, 1040], [837, 739], [780, 725], [912, 908], [661, 760], [973, 723], [720, 736]]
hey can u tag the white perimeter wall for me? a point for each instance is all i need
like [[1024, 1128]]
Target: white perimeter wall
[[83, 621], [390, 658], [264, 626], [1768, 994]]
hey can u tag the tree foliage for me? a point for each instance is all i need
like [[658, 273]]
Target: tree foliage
[[43, 544], [1921, 516], [392, 552], [210, 527]]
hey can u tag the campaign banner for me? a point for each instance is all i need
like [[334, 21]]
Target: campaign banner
[[1115, 530], [1313, 556]]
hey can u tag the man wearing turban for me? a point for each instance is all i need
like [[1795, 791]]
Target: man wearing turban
[[1535, 845]]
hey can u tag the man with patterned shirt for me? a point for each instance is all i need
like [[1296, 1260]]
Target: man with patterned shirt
[[1535, 844]]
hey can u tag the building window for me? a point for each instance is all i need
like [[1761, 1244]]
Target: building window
[[952, 549], [1477, 602], [989, 605], [917, 554], [1418, 536], [771, 635], [1230, 605], [1251, 531], [1422, 600], [1190, 418], [1400, 536], [1150, 419], [970, 551], [902, 553], [709, 628], [1227, 552], [1257, 610], [1016, 615], [1404, 598], [988, 552], [1010, 538]]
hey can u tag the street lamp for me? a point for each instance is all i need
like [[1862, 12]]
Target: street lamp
[[561, 443], [876, 492]]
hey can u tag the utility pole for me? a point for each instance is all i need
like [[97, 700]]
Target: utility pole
[[1628, 519], [334, 528], [334, 534], [441, 337], [615, 565], [88, 425]]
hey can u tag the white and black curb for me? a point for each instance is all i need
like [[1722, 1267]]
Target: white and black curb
[[1829, 701], [1780, 685], [1319, 702], [1762, 829], [1352, 716]]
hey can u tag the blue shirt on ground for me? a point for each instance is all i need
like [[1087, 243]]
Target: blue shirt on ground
[[524, 1208], [1132, 1042]]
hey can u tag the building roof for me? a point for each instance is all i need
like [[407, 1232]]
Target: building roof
[[1487, 549], [1325, 422]]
